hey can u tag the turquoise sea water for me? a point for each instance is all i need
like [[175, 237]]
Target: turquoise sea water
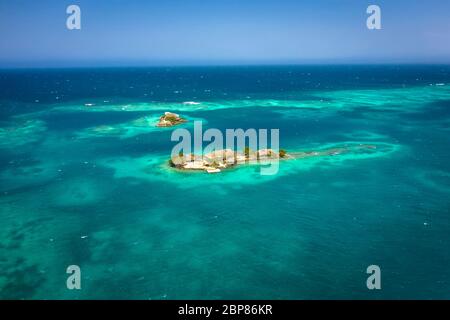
[[84, 181]]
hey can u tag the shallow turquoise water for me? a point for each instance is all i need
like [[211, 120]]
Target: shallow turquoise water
[[81, 183]]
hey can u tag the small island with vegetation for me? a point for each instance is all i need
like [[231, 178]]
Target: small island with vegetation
[[170, 119], [219, 160]]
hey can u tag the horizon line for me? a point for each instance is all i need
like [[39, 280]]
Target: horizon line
[[223, 65]]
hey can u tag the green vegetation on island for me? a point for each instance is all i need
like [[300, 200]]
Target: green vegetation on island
[[170, 119]]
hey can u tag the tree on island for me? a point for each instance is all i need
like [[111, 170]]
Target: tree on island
[[247, 152]]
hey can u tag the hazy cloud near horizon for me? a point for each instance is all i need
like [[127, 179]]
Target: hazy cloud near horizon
[[137, 32]]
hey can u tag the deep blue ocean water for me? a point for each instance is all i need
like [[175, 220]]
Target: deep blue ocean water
[[82, 184]]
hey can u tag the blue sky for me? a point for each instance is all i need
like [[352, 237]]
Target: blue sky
[[172, 32]]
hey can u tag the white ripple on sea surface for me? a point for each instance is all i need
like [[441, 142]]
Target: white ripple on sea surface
[[397, 99]]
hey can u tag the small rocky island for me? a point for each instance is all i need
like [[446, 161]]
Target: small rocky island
[[219, 160], [170, 119]]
